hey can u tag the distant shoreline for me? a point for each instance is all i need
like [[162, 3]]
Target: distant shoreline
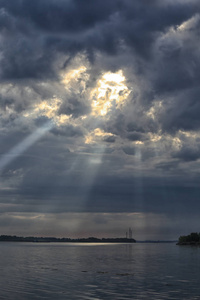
[[32, 239], [9, 238]]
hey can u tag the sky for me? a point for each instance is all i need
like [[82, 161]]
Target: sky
[[99, 118]]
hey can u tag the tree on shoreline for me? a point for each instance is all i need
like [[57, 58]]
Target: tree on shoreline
[[193, 237]]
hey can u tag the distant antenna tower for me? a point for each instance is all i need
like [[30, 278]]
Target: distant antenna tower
[[130, 233]]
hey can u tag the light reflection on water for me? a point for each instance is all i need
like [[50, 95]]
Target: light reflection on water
[[99, 271]]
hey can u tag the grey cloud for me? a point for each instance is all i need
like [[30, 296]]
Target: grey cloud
[[107, 194], [187, 153], [129, 150], [137, 194], [42, 120], [109, 139], [67, 130], [182, 111], [168, 165], [177, 60], [16, 97], [134, 127], [74, 106], [135, 136]]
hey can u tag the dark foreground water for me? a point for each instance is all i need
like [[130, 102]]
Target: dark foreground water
[[98, 271]]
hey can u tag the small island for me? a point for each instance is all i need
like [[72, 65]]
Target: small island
[[191, 239], [11, 238]]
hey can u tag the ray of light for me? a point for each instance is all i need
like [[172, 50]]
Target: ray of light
[[138, 178], [20, 148], [91, 162]]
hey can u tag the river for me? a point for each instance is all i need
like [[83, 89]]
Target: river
[[99, 271]]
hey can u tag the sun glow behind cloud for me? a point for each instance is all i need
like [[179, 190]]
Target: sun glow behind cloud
[[48, 108], [97, 135], [110, 90], [79, 75], [109, 94]]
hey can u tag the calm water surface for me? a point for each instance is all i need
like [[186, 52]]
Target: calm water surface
[[99, 271]]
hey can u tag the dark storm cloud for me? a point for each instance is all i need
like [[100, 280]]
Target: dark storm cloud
[[54, 27], [49, 24], [34, 34], [51, 185], [72, 26], [177, 57], [159, 56], [188, 153], [182, 111], [69, 15]]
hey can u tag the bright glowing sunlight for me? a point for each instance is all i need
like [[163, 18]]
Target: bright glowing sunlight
[[110, 90]]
